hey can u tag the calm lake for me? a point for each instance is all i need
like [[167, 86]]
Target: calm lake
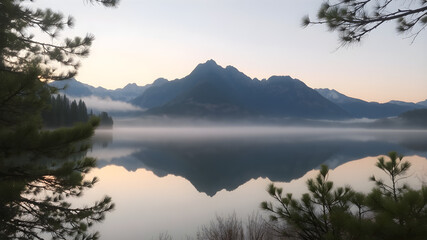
[[176, 179]]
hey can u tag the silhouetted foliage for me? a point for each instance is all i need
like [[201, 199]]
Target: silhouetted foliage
[[222, 229], [389, 211], [63, 113], [353, 19], [40, 169], [105, 120], [19, 47], [231, 228]]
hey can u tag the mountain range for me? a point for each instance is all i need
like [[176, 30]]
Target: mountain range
[[74, 88], [362, 109], [211, 91]]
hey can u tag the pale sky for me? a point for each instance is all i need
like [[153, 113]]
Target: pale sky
[[143, 40]]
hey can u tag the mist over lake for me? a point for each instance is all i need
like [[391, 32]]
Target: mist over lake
[[172, 179], [213, 120]]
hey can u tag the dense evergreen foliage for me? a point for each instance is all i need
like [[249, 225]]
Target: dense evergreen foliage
[[390, 211], [62, 112], [40, 169]]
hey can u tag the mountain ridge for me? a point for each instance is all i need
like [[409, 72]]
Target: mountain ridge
[[74, 88], [363, 109], [211, 90]]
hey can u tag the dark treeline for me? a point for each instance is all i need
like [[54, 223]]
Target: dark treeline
[[63, 112], [105, 120]]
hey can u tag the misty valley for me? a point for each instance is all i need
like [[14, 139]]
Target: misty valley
[[191, 157], [289, 137], [176, 156], [174, 179]]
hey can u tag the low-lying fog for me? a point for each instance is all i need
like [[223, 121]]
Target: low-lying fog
[[152, 129], [151, 121]]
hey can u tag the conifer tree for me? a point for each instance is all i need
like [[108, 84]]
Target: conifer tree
[[389, 211], [83, 117], [40, 169], [354, 19], [61, 113], [400, 211], [19, 48], [105, 120], [314, 215], [73, 112]]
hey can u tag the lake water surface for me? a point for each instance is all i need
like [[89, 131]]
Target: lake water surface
[[175, 179]]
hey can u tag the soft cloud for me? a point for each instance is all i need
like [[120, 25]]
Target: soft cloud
[[108, 105]]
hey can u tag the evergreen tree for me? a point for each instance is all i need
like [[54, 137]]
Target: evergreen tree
[[40, 169], [73, 112], [83, 117], [400, 212], [354, 19], [313, 216], [19, 47], [57, 110], [61, 113], [105, 120], [389, 211]]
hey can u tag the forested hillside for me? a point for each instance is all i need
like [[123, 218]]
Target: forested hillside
[[63, 112]]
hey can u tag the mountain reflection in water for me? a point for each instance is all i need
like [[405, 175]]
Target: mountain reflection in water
[[216, 158], [148, 205]]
